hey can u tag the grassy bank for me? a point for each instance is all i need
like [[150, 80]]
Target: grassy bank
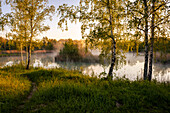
[[60, 90]]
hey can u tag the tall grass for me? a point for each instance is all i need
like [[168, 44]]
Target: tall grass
[[13, 88], [60, 90]]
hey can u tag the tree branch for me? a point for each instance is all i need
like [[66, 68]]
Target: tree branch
[[159, 7], [140, 29], [161, 23]]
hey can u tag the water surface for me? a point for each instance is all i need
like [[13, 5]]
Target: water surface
[[132, 69]]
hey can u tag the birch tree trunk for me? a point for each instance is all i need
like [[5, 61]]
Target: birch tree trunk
[[152, 42], [30, 41], [146, 40], [113, 59], [30, 46]]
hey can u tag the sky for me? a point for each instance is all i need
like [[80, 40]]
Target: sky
[[74, 31]]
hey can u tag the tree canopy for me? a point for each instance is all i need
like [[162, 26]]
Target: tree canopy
[[102, 23]]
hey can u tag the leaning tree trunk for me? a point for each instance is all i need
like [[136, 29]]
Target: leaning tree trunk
[[152, 42], [113, 59], [146, 40]]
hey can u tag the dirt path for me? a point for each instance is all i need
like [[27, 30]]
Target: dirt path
[[34, 89]]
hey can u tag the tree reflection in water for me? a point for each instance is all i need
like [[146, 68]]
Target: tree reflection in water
[[131, 67]]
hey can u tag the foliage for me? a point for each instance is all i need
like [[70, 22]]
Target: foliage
[[70, 51], [101, 24], [73, 50], [48, 44], [27, 21], [6, 44], [162, 49], [3, 18]]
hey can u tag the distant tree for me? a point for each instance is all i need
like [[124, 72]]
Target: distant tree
[[47, 44], [3, 43], [70, 51]]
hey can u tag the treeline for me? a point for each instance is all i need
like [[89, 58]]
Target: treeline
[[60, 43], [161, 45], [43, 44]]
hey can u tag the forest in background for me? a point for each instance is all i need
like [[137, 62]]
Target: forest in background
[[45, 45]]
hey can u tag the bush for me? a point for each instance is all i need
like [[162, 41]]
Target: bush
[[70, 52]]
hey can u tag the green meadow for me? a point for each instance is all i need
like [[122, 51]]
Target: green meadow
[[59, 90]]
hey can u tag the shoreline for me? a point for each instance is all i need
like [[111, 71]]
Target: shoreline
[[17, 53]]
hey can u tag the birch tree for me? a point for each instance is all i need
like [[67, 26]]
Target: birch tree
[[38, 11], [32, 14], [161, 11], [141, 12], [19, 24], [101, 23]]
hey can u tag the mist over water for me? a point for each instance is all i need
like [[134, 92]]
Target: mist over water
[[132, 69]]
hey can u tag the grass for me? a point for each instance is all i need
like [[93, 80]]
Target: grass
[[13, 88], [60, 90]]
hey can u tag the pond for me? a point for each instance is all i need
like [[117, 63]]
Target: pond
[[132, 69]]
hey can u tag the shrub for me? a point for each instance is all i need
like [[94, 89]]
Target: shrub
[[70, 52]]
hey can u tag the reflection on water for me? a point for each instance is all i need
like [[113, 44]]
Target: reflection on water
[[133, 68]]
